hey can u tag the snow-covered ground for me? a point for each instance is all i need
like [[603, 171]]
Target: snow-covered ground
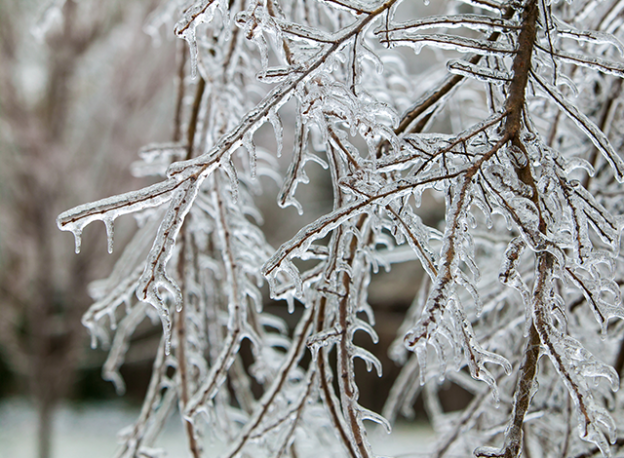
[[90, 431]]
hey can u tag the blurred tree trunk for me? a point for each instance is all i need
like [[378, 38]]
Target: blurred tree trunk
[[44, 431]]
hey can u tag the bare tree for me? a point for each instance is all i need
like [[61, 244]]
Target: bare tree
[[517, 137], [51, 109]]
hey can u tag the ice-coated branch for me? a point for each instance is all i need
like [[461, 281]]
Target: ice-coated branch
[[295, 353], [236, 316], [437, 95], [181, 321], [573, 371], [107, 210], [185, 177], [524, 391], [598, 138], [328, 394], [153, 412], [481, 183]]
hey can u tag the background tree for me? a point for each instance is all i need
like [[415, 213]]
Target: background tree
[[60, 96], [517, 137]]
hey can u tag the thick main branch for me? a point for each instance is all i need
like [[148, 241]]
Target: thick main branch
[[521, 67]]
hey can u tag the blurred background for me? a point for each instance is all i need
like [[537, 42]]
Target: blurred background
[[83, 85], [82, 88]]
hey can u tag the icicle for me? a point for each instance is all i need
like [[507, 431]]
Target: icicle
[[108, 222], [77, 231], [112, 318], [421, 355], [191, 39], [369, 359], [93, 339], [230, 170], [278, 128], [366, 414], [248, 143], [290, 301], [363, 326]]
